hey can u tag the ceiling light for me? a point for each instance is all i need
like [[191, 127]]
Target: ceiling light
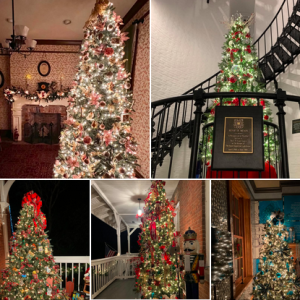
[[67, 22]]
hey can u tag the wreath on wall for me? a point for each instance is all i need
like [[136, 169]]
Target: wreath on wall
[[47, 92]]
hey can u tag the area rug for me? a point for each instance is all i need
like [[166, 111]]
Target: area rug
[[27, 161]]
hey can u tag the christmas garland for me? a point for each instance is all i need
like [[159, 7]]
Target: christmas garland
[[46, 92]]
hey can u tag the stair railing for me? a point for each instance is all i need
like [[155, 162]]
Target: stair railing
[[168, 132]]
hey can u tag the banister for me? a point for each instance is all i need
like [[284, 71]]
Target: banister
[[270, 96]]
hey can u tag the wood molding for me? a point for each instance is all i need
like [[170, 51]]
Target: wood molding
[[57, 42], [60, 42], [133, 11], [282, 183]]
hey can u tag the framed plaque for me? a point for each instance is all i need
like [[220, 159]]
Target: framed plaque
[[238, 139], [296, 126]]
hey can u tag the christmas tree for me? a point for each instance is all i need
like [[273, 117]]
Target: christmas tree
[[240, 73], [31, 272], [156, 275], [276, 278], [97, 141]]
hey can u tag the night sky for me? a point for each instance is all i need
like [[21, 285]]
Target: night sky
[[101, 233], [67, 208]]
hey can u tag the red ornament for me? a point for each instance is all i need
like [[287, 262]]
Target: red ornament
[[262, 103], [87, 140], [109, 52], [232, 79], [231, 90], [244, 81], [266, 117]]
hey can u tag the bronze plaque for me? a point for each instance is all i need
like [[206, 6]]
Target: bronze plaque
[[296, 126], [238, 135]]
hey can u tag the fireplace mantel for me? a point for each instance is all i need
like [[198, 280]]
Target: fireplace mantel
[[17, 110]]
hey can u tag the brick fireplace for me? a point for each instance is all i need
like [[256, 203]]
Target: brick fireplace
[[42, 117], [25, 113]]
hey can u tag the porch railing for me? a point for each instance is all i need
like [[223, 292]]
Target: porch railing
[[72, 268], [104, 271]]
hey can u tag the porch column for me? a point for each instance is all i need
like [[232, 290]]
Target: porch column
[[128, 237], [118, 222]]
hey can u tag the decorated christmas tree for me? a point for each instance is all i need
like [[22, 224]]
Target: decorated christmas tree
[[240, 73], [31, 272], [276, 276], [156, 275], [97, 141]]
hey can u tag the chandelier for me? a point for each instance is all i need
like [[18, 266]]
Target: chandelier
[[18, 39]]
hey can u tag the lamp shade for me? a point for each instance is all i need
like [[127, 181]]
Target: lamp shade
[[31, 43], [5, 44], [21, 30]]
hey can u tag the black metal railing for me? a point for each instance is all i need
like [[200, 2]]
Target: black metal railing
[[175, 118], [41, 133]]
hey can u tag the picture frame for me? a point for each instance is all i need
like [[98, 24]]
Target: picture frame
[[44, 68], [1, 79], [78, 295]]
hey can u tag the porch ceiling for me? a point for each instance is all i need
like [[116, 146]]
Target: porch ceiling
[[123, 196], [272, 189]]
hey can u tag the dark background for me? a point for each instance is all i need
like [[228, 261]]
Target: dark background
[[67, 208], [103, 233]]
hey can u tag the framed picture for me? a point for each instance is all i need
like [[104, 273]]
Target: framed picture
[[44, 68], [1, 79], [78, 296]]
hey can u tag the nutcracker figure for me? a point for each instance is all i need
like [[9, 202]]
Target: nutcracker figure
[[193, 264]]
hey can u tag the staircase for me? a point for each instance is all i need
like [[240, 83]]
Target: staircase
[[173, 119]]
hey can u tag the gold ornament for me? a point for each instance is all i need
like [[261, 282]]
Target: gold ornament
[[111, 108]]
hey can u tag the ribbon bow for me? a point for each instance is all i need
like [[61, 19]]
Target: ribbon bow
[[34, 199]]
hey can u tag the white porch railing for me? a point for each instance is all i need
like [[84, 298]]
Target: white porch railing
[[104, 271], [72, 268]]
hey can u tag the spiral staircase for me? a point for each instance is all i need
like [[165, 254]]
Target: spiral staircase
[[174, 119]]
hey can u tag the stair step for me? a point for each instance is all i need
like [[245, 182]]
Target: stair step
[[295, 18], [282, 54], [268, 73], [293, 32], [289, 45], [275, 64]]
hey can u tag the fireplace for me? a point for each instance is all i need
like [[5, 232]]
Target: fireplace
[[42, 124]]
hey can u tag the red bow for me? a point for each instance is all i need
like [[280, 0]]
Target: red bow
[[34, 199]]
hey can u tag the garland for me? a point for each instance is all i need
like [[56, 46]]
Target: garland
[[46, 92]]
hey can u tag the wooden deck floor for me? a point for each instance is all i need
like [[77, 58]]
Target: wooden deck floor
[[120, 289]]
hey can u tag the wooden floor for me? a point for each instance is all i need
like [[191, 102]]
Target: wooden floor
[[120, 289]]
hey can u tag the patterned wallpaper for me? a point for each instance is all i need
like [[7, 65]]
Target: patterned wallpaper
[[219, 192], [141, 92], [63, 65], [4, 106]]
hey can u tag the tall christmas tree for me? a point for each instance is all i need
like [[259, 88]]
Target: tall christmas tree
[[240, 73], [276, 277], [97, 141], [31, 272], [156, 275]]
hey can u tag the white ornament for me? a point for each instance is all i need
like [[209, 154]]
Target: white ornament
[[231, 43], [255, 83], [246, 29], [248, 56]]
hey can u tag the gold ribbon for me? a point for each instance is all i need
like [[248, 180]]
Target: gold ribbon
[[99, 8]]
